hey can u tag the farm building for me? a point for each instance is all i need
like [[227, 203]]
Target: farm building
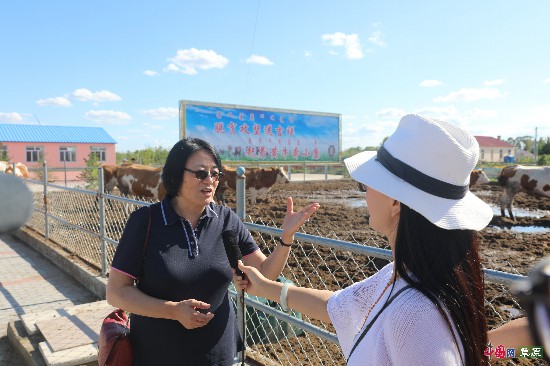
[[494, 150], [64, 148]]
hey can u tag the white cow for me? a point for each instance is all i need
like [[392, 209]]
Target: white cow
[[529, 179]]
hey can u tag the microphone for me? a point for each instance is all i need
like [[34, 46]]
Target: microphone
[[232, 250], [233, 255], [17, 203]]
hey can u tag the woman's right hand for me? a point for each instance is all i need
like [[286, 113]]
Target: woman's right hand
[[193, 313], [256, 281]]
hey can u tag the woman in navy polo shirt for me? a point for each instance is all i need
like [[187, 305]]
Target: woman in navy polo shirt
[[181, 312]]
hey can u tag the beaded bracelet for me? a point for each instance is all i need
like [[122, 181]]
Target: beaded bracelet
[[282, 243]]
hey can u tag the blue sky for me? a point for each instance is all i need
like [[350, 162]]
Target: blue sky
[[124, 65]]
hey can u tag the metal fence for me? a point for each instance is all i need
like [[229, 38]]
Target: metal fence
[[88, 224]]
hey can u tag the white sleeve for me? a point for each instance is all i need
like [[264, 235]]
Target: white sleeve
[[348, 308], [419, 335]]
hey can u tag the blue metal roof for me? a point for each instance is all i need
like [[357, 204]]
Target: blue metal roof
[[67, 134]]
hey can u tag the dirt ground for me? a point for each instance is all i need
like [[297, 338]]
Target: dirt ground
[[504, 244]]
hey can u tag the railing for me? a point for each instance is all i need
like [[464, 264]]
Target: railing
[[89, 224]]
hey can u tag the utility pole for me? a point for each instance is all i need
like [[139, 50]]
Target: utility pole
[[536, 148]]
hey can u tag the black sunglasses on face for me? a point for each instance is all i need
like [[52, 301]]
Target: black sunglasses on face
[[203, 174], [362, 187]]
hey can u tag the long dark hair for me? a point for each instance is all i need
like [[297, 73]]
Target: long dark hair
[[445, 267], [172, 173]]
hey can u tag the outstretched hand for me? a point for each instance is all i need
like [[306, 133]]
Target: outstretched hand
[[294, 220]]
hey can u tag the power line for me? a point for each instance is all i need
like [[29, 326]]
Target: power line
[[251, 50]]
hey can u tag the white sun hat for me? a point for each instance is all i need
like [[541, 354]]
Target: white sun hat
[[426, 164]]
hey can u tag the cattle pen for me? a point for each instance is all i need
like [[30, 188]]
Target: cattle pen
[[88, 224]]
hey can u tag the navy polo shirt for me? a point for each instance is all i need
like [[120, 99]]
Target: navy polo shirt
[[182, 263]]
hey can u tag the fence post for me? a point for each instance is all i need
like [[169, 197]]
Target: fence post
[[13, 170], [241, 193], [289, 172], [241, 212], [101, 199], [304, 171], [326, 171], [45, 178]]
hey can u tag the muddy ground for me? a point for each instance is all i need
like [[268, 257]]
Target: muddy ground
[[504, 244]]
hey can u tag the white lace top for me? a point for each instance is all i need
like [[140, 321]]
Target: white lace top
[[410, 331]]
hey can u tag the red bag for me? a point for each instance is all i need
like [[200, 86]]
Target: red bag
[[114, 347], [114, 340]]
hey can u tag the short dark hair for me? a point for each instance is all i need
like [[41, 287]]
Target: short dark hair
[[172, 173]]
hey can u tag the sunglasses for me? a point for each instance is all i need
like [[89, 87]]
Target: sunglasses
[[362, 187], [203, 174]]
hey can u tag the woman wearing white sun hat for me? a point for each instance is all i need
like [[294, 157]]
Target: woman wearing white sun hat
[[426, 307]]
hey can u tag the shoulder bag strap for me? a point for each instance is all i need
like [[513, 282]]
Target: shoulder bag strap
[[144, 251], [147, 235], [374, 319], [142, 255]]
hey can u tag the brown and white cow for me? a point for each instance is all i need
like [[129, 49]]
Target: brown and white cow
[[20, 169], [529, 179], [141, 181], [258, 180], [478, 176], [109, 177]]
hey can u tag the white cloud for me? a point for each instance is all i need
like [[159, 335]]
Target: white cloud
[[494, 82], [188, 61], [108, 117], [470, 95], [259, 60], [150, 126], [482, 114], [150, 73], [86, 95], [391, 113], [10, 117], [56, 101], [308, 54], [333, 53], [429, 83], [350, 42], [547, 81], [376, 38], [161, 113]]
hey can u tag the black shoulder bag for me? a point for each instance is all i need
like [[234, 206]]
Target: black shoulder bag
[[374, 319]]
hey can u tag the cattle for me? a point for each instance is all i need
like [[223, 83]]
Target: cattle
[[517, 178], [478, 176], [257, 181], [141, 181], [20, 169], [109, 177]]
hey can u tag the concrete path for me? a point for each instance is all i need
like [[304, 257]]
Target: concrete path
[[29, 283]]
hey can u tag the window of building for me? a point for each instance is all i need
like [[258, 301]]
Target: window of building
[[99, 152], [4, 153], [67, 154], [35, 154], [500, 155], [482, 154]]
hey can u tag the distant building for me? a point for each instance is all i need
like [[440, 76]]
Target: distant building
[[494, 150], [64, 148]]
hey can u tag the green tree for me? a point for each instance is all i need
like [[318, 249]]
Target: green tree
[[544, 146], [89, 174]]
